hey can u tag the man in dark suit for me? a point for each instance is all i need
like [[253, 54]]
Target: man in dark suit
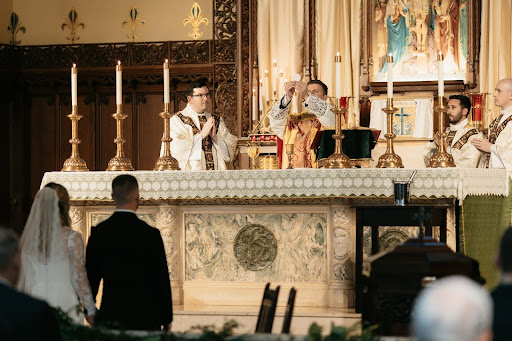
[[502, 294], [22, 317], [129, 256]]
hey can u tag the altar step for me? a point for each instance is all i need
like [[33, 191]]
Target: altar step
[[188, 316]]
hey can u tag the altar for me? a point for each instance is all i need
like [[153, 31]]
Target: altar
[[227, 233]]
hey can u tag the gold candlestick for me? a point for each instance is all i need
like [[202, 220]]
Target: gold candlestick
[[119, 162], [338, 159], [166, 161], [74, 163], [389, 159], [441, 159]]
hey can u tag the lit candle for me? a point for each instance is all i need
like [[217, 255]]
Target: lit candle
[[254, 106], [166, 82], [74, 73], [275, 75], [390, 76], [281, 83], [440, 81], [260, 95], [267, 87], [119, 84], [337, 64]]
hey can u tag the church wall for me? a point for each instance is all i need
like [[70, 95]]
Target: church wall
[[5, 15], [103, 20]]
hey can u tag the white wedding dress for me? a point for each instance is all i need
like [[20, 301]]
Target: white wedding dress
[[52, 258]]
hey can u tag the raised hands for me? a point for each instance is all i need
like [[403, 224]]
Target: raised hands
[[300, 87]]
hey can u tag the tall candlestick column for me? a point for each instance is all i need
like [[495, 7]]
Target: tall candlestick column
[[74, 163], [166, 161], [441, 159]]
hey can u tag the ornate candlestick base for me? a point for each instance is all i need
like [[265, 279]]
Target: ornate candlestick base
[[389, 159], [441, 159], [74, 163], [119, 162], [166, 161], [338, 159]]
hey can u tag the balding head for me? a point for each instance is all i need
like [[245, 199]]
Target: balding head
[[503, 93]]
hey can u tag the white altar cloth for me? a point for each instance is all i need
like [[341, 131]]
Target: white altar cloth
[[428, 183]]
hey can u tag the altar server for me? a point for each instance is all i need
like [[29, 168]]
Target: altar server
[[200, 140], [459, 133], [498, 146]]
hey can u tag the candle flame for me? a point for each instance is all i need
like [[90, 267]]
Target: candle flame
[[337, 54], [74, 65], [266, 73], [253, 91], [167, 61], [119, 62]]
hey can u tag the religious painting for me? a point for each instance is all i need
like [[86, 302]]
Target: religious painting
[[414, 32]]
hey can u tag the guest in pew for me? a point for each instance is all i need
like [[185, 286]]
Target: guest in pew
[[502, 294], [200, 140], [302, 133], [459, 135], [498, 153], [129, 256], [453, 309], [52, 256], [21, 316]]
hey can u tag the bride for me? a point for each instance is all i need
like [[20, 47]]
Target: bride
[[52, 256]]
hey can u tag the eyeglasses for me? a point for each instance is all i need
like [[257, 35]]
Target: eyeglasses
[[205, 96]]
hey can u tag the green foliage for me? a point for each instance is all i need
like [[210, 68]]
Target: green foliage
[[338, 333]]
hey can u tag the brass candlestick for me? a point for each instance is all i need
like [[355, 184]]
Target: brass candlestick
[[441, 159], [338, 159], [74, 163], [389, 159], [119, 162], [289, 153], [166, 161]]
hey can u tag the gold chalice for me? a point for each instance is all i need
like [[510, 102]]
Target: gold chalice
[[253, 151], [289, 152]]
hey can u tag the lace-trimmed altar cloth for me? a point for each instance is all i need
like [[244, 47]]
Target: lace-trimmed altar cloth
[[428, 183]]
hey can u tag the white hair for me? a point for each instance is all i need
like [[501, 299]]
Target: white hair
[[454, 308]]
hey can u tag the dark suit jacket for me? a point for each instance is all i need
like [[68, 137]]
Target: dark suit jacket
[[129, 255], [23, 317]]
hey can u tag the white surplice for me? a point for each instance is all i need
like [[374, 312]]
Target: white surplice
[[186, 147]]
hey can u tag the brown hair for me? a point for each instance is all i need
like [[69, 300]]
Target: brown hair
[[63, 196]]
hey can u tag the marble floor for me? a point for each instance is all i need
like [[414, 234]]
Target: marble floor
[[187, 316]]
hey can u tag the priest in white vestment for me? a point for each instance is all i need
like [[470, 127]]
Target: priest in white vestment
[[498, 146], [200, 140], [459, 135], [302, 132]]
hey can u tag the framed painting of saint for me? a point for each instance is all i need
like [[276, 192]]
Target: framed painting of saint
[[415, 32]]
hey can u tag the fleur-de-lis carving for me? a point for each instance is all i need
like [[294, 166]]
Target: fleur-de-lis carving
[[73, 23], [133, 21], [15, 27], [195, 19]]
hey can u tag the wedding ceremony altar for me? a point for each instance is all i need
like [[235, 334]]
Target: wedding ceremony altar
[[226, 233]]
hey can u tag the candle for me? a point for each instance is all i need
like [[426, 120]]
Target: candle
[[254, 106], [74, 73], [390, 75], [337, 64], [275, 76], [166, 82], [281, 83], [260, 95], [266, 86], [440, 81], [119, 84]]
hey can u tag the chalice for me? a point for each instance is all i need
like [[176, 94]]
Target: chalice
[[289, 152], [253, 151]]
